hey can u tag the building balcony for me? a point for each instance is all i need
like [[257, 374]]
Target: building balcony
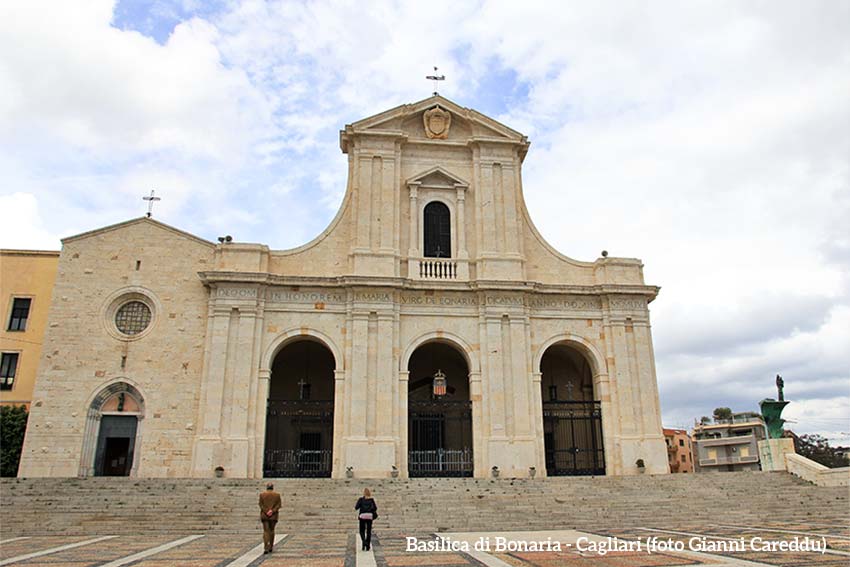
[[438, 269], [728, 461], [726, 441]]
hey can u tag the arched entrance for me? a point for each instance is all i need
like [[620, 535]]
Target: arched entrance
[[572, 417], [439, 413], [113, 431], [300, 412]]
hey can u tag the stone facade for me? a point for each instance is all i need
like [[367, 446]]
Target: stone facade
[[365, 290]]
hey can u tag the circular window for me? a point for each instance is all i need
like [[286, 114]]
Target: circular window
[[130, 313], [133, 317]]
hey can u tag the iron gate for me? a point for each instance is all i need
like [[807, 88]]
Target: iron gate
[[439, 438], [573, 438], [299, 438]]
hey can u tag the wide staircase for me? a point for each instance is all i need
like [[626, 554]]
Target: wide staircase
[[72, 506]]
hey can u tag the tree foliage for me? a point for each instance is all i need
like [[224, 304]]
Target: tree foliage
[[722, 413], [817, 448], [13, 425]]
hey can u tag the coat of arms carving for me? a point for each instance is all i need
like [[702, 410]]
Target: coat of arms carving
[[437, 123]]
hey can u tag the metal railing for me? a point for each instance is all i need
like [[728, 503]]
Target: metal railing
[[722, 441], [728, 461], [297, 462], [441, 462]]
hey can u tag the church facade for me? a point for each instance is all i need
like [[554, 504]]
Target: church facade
[[428, 331]]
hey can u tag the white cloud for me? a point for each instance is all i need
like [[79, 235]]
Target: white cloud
[[21, 225]]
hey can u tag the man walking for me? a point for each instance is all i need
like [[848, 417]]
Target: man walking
[[269, 507]]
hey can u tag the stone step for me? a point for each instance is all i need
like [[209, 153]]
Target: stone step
[[102, 505]]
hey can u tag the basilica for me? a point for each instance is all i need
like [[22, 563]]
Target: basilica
[[428, 331]]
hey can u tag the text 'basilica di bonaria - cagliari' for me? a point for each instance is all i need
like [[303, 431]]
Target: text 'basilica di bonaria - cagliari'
[[428, 331]]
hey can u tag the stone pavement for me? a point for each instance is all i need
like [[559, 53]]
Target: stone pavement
[[679, 546]]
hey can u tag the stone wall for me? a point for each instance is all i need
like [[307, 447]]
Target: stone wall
[[83, 350]]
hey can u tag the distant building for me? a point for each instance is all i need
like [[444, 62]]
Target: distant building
[[680, 454], [728, 444], [26, 284]]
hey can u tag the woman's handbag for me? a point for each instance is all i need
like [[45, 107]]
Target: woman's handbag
[[366, 516]]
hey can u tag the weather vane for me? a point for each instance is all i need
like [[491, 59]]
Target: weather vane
[[435, 77], [150, 199]]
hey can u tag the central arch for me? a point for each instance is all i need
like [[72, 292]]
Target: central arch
[[440, 441], [299, 435]]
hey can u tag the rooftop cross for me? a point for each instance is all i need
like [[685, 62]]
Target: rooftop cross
[[435, 77], [150, 199]]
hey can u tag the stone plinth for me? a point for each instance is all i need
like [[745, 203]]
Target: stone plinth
[[772, 453]]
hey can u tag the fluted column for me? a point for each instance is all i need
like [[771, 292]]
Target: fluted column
[[413, 244], [537, 409], [337, 471], [261, 409], [403, 383], [460, 221]]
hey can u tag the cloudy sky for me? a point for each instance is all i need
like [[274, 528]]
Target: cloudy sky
[[709, 139]]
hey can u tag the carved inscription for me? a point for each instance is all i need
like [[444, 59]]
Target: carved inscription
[[435, 298], [627, 303], [313, 297], [415, 299], [515, 300], [565, 303], [374, 297], [238, 292]]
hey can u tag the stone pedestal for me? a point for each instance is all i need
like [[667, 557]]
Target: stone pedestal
[[772, 453]]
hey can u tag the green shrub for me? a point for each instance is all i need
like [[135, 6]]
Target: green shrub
[[13, 425]]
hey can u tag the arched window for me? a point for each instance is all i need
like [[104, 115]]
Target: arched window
[[438, 232]]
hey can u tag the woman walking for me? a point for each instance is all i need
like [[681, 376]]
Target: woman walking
[[368, 512]]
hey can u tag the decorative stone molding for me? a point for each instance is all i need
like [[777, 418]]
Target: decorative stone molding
[[123, 296], [92, 424], [437, 123]]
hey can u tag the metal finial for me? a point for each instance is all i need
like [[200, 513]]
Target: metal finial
[[150, 199], [435, 77]]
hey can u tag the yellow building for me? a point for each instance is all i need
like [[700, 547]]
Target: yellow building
[[26, 283]]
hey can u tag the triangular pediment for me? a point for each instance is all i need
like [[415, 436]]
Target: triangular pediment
[[407, 119], [437, 177], [147, 221]]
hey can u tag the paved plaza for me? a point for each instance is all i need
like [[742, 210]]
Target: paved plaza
[[712, 544]]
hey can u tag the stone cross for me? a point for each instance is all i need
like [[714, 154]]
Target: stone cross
[[435, 77], [570, 391], [150, 199]]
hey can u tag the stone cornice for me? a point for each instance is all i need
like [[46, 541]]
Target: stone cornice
[[253, 278], [139, 220]]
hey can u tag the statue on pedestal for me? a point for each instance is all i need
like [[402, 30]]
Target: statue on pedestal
[[771, 410]]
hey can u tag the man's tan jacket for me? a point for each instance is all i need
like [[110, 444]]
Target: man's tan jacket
[[269, 500]]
